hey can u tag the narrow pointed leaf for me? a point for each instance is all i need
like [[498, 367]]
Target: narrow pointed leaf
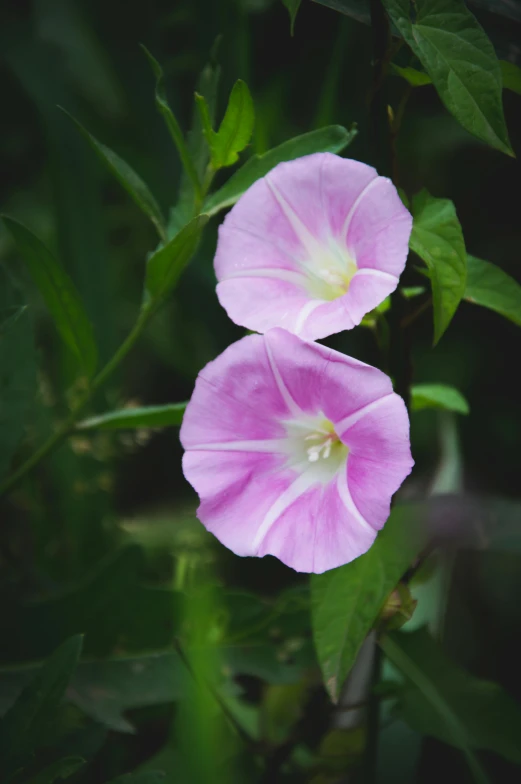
[[236, 128], [411, 75], [333, 138], [491, 287], [183, 210], [443, 700], [459, 57], [437, 238], [439, 396], [292, 6], [131, 418], [511, 74], [165, 266], [171, 121], [24, 724], [127, 177], [59, 293], [346, 602]]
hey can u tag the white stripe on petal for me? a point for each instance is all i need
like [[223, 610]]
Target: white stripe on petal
[[375, 273], [356, 416], [284, 391], [309, 242], [305, 312], [292, 493], [276, 273], [273, 445], [355, 205], [345, 497]]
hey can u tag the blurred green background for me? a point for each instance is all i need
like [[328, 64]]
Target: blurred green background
[[101, 491]]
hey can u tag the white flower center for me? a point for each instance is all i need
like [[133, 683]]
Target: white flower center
[[330, 272], [313, 445]]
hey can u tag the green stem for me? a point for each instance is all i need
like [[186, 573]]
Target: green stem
[[63, 431]]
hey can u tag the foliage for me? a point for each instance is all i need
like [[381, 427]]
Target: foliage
[[133, 648]]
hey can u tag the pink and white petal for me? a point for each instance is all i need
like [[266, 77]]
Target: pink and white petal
[[367, 290], [342, 181], [379, 457], [319, 379], [236, 490], [324, 318], [372, 484], [241, 249], [317, 532], [296, 187], [259, 302], [259, 214], [235, 398], [378, 231]]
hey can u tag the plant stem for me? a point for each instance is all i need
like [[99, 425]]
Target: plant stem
[[63, 431]]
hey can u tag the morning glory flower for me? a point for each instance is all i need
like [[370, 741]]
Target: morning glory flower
[[312, 247], [295, 450]]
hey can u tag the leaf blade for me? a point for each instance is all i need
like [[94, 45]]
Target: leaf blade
[[439, 396], [332, 138], [491, 287], [449, 703], [22, 726], [171, 121], [293, 7], [59, 293], [136, 188], [235, 129], [438, 239], [345, 602], [458, 55], [165, 266], [129, 418]]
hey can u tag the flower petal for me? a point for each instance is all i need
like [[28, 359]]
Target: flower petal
[[319, 379], [317, 533], [379, 230], [379, 457], [236, 490], [235, 398], [288, 248]]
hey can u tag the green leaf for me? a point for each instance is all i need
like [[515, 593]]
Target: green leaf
[[57, 771], [171, 122], [333, 138], [165, 266], [411, 75], [489, 286], [437, 239], [292, 6], [143, 777], [127, 177], [109, 605], [445, 701], [130, 418], [511, 74], [458, 56], [17, 370], [23, 727], [59, 293], [207, 86], [438, 396], [346, 602], [235, 129]]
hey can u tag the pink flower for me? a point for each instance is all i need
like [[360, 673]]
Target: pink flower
[[295, 450], [312, 247]]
